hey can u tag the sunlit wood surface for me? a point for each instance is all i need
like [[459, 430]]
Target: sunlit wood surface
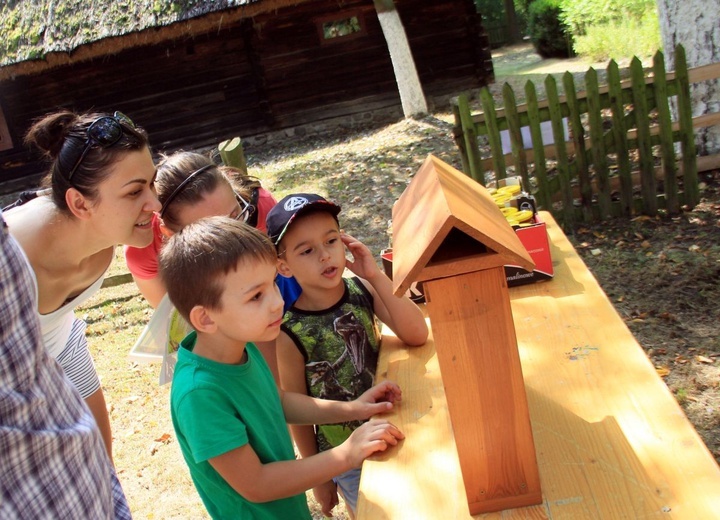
[[611, 440]]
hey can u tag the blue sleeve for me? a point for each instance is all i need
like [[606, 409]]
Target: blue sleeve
[[289, 289]]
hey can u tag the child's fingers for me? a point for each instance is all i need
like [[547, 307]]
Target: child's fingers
[[384, 435]]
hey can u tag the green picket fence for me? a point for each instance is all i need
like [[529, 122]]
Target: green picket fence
[[617, 133]]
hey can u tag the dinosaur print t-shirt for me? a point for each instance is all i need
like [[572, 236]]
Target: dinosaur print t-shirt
[[340, 346]]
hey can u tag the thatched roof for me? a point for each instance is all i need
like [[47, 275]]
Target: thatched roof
[[39, 34]]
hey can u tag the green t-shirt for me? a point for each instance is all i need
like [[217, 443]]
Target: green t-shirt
[[217, 408]]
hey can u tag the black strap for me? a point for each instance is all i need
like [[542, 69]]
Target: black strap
[[25, 196], [254, 196]]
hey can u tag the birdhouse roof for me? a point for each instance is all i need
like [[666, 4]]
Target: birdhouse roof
[[446, 224]]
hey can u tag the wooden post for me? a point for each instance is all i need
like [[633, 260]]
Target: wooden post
[[448, 233], [232, 154]]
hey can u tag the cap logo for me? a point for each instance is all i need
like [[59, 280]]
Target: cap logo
[[295, 203]]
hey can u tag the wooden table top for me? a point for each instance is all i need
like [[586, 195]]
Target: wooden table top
[[611, 440]]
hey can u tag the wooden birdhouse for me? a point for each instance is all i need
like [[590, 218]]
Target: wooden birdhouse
[[449, 233]]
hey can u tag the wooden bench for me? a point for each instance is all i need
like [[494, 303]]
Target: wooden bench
[[611, 440]]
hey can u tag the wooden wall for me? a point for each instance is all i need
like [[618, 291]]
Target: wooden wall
[[253, 76]]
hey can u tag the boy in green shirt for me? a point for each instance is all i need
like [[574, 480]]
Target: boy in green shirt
[[228, 414]]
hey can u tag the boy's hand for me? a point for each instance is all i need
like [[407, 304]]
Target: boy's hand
[[369, 438], [378, 399], [326, 495], [363, 264]]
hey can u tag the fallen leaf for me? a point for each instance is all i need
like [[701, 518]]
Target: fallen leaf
[[645, 244], [662, 371], [703, 359], [694, 248], [596, 252], [164, 438]]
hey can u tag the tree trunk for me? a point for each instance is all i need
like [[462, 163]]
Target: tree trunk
[[694, 24], [411, 94], [511, 21]]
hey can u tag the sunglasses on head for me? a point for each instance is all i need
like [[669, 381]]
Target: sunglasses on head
[[104, 132]]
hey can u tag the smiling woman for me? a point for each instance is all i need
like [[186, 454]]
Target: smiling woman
[[99, 192]]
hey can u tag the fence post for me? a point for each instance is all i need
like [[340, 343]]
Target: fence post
[[578, 136], [516, 140], [648, 185], [687, 137], [498, 160], [232, 154], [469, 139], [543, 194], [667, 149], [620, 134], [598, 143], [568, 214]]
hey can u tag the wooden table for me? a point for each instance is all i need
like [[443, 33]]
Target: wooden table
[[611, 440]]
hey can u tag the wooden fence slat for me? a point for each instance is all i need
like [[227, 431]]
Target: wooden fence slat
[[568, 212], [642, 123], [667, 149], [470, 140], [587, 191], [620, 134], [459, 132], [516, 141], [687, 138], [232, 154], [578, 138], [543, 193], [598, 145], [488, 105]]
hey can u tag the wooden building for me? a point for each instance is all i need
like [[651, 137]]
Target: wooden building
[[246, 68]]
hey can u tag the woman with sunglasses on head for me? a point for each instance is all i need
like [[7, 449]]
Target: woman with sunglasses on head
[[99, 192], [190, 186]]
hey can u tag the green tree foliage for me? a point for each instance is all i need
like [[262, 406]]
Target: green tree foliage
[[548, 32], [605, 29], [578, 15]]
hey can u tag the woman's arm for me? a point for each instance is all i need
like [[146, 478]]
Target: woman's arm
[[152, 289]]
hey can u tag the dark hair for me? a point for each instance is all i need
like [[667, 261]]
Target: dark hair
[[174, 169], [62, 137], [194, 261]]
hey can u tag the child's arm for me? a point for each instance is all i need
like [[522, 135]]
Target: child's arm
[[291, 366], [400, 314], [303, 409], [258, 482]]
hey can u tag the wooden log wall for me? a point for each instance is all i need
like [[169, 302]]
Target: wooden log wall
[[256, 75]]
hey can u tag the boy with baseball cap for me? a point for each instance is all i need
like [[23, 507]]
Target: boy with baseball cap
[[329, 340]]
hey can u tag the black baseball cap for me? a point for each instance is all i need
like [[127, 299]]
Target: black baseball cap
[[284, 212]]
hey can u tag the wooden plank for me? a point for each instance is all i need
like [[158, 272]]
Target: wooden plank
[[687, 139], [477, 350], [667, 150], [648, 186], [470, 141], [538, 150], [611, 440], [578, 138], [620, 134], [493, 134], [516, 140], [568, 210], [598, 145]]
